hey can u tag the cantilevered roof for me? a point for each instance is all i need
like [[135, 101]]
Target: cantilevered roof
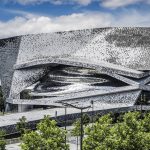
[[119, 52]]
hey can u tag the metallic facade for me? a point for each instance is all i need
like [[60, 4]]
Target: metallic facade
[[92, 58]]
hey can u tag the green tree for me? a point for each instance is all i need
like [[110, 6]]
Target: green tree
[[130, 133], [76, 130], [96, 133], [21, 126], [96, 117], [86, 119], [2, 140], [25, 94], [47, 137]]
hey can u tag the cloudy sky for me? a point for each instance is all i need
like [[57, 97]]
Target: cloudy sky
[[19, 17]]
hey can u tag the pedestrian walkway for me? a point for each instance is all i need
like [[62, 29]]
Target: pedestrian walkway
[[11, 119]]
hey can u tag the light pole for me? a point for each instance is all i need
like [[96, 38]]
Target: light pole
[[92, 103], [65, 125], [65, 118], [141, 102], [81, 129], [81, 124]]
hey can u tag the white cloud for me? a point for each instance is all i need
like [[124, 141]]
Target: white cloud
[[80, 2], [121, 3], [105, 3], [56, 2], [133, 18], [84, 2], [40, 24], [25, 2]]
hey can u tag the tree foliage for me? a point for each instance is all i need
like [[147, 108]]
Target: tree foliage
[[77, 125], [25, 94], [22, 125], [47, 137], [2, 140], [76, 128], [133, 133], [86, 119], [76, 131]]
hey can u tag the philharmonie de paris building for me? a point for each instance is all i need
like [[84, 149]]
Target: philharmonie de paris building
[[108, 66]]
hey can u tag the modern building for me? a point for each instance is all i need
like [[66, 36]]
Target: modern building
[[110, 66]]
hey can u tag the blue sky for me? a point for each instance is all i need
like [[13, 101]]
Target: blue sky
[[36, 16]]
